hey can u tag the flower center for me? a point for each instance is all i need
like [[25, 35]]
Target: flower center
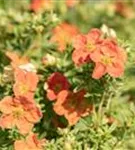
[[57, 88], [90, 47], [23, 88], [106, 60], [64, 38], [72, 102], [18, 112]]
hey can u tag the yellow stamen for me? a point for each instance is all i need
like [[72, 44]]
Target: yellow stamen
[[23, 88], [106, 60], [90, 46], [18, 112]]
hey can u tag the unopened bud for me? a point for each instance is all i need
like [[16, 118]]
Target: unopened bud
[[109, 32], [54, 18], [8, 74], [68, 145], [28, 67], [49, 60], [39, 29]]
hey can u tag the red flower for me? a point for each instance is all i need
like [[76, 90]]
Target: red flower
[[110, 58], [63, 35], [30, 143], [56, 83], [18, 113], [25, 83], [85, 45], [72, 105]]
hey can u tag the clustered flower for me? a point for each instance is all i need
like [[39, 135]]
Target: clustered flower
[[67, 103], [20, 111], [105, 53], [56, 82], [98, 50], [72, 105]]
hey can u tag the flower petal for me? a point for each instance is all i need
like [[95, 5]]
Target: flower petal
[[24, 126], [51, 95], [99, 71], [96, 56], [7, 121], [20, 145], [116, 69], [6, 105]]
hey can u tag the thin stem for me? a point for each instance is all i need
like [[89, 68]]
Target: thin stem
[[100, 112], [109, 102]]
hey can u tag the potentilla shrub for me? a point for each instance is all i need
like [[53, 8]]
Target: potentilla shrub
[[57, 84]]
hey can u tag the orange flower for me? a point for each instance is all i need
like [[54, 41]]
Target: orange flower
[[71, 3], [110, 58], [16, 60], [63, 35], [20, 113], [30, 143], [85, 45], [56, 83], [72, 105], [20, 62], [124, 9], [25, 83], [37, 5]]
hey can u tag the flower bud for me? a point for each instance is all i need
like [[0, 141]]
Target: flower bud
[[49, 60], [8, 74], [28, 67], [68, 145]]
